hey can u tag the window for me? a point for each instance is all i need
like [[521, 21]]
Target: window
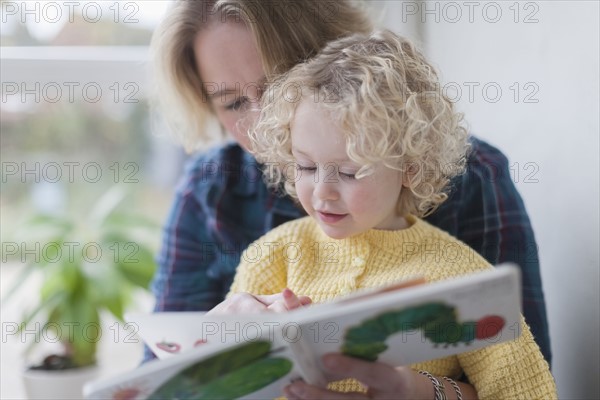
[[74, 111]]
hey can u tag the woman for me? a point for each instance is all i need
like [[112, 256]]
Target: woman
[[213, 59]]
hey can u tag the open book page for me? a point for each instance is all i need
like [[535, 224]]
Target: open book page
[[171, 333], [168, 333], [255, 369], [216, 356]]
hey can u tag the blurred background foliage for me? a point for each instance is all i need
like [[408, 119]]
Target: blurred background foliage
[[116, 136], [80, 138]]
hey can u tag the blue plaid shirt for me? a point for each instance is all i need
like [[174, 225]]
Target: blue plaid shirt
[[222, 205]]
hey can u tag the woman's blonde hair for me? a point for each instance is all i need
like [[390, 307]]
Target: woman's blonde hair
[[385, 98], [286, 32]]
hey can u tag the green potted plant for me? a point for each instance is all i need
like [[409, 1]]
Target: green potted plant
[[88, 264]]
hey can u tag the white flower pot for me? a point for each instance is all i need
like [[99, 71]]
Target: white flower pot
[[62, 384]]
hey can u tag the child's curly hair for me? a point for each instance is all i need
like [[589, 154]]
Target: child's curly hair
[[387, 101]]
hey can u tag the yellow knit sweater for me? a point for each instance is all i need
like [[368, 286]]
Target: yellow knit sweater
[[298, 255]]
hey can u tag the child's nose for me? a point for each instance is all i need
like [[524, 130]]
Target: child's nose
[[326, 188]]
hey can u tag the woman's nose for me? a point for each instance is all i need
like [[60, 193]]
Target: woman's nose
[[254, 95]]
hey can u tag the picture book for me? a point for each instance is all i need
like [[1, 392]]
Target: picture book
[[255, 356]]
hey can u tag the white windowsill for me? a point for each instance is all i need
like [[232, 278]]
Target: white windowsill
[[101, 64]]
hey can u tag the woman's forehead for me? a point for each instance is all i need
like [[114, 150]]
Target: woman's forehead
[[227, 57]]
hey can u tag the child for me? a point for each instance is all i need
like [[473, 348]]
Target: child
[[362, 138]]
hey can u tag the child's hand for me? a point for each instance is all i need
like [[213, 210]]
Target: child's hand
[[289, 301], [250, 303]]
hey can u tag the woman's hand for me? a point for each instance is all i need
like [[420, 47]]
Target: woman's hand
[[251, 303], [383, 381]]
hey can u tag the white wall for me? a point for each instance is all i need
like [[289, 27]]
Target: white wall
[[556, 56]]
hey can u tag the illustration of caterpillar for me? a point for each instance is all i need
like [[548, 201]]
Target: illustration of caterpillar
[[228, 375], [437, 321]]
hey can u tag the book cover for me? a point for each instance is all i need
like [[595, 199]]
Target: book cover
[[255, 356]]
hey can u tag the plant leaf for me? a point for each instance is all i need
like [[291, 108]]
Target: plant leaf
[[43, 228], [82, 316], [60, 278], [107, 288], [106, 204], [141, 271]]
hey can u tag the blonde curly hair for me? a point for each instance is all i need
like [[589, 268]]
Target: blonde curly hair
[[386, 99]]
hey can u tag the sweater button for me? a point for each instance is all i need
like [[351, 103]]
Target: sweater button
[[358, 262]]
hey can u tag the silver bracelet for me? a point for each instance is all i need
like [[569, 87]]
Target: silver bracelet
[[455, 386], [438, 387]]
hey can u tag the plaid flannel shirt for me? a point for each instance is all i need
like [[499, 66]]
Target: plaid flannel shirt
[[222, 205]]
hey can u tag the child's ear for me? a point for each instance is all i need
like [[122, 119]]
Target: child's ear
[[409, 173]]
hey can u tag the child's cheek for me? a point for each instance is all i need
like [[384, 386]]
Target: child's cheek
[[361, 200], [304, 193]]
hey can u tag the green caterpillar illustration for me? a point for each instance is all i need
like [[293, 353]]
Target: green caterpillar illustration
[[437, 321], [229, 375]]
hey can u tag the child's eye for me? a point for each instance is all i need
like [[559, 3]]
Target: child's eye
[[347, 175], [303, 168]]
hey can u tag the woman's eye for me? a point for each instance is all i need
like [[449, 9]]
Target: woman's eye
[[347, 175], [236, 105]]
